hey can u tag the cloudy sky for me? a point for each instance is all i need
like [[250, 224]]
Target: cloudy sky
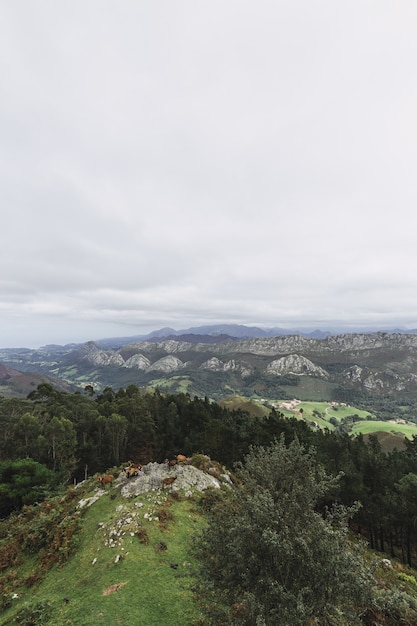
[[186, 162]]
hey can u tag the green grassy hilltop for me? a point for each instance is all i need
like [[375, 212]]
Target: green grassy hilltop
[[132, 564]]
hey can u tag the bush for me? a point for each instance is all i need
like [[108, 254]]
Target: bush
[[34, 614], [407, 578], [49, 531], [201, 461]]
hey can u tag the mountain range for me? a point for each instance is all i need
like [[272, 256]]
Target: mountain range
[[236, 331], [211, 361]]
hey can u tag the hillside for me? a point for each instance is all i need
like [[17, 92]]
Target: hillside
[[124, 554], [132, 561], [362, 365], [16, 384]]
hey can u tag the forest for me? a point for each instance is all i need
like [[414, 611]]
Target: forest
[[55, 438]]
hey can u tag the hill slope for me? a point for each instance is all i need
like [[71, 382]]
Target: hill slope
[[133, 561]]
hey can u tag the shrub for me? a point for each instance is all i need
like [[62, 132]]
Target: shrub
[[201, 461], [142, 535], [34, 614], [407, 578]]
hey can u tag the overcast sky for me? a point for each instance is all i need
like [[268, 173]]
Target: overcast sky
[[186, 162]]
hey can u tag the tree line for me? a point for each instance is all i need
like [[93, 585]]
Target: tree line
[[74, 435]]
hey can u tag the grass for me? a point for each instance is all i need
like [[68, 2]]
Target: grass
[[130, 580], [252, 407], [321, 412], [175, 384], [367, 427]]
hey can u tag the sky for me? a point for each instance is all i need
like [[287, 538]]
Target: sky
[[187, 162]]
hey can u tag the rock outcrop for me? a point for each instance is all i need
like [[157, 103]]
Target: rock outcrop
[[296, 364], [151, 475], [91, 353], [167, 364], [138, 361], [216, 365]]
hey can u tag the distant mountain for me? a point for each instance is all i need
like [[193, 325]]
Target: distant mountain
[[191, 338], [238, 331], [233, 331]]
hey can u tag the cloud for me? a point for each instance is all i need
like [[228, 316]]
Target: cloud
[[181, 163]]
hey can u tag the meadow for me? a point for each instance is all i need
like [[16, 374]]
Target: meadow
[[366, 427]]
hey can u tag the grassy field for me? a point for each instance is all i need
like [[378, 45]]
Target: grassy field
[[368, 427], [255, 409], [322, 412], [133, 565], [319, 412]]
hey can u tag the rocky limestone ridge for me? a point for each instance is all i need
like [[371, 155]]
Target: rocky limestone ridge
[[380, 362], [171, 346], [296, 364], [265, 346], [216, 365], [331, 344], [138, 361], [237, 366], [166, 364], [374, 380], [371, 341], [91, 353], [284, 344], [102, 358]]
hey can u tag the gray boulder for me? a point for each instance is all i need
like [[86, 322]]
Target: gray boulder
[[151, 476]]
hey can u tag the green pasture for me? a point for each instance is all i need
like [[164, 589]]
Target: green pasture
[[327, 410], [323, 412], [367, 427], [320, 412], [174, 384]]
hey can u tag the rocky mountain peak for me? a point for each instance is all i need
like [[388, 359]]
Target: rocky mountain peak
[[296, 364]]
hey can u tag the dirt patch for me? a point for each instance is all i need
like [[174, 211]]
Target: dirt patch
[[113, 588]]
